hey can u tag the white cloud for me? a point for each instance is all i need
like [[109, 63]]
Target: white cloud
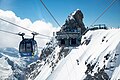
[[9, 40]]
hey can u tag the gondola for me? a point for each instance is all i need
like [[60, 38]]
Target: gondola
[[28, 46]]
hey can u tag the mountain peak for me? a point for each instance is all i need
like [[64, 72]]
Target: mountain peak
[[74, 20]]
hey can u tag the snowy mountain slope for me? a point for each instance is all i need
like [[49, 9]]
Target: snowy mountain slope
[[5, 69], [12, 66], [12, 63], [13, 55], [116, 74], [46, 69], [97, 58]]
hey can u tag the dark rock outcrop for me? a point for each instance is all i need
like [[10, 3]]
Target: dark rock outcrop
[[74, 20]]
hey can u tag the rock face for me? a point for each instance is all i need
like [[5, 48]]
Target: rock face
[[71, 32], [74, 20]]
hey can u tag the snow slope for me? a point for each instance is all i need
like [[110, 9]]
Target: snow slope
[[5, 69], [12, 66], [97, 58]]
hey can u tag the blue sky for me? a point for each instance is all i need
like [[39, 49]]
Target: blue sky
[[34, 10]]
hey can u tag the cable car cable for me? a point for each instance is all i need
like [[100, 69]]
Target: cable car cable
[[50, 13], [23, 27], [15, 24], [17, 34], [103, 12], [9, 32]]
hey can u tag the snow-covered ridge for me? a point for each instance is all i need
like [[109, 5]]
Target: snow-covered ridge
[[12, 66], [97, 58]]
